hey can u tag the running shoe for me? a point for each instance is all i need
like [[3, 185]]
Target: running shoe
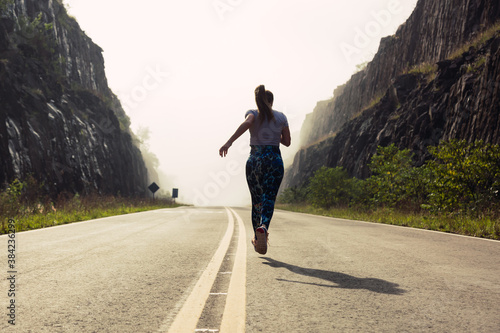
[[261, 241]]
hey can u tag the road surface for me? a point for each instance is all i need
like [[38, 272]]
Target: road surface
[[193, 269]]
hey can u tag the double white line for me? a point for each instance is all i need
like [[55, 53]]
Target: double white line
[[233, 319]]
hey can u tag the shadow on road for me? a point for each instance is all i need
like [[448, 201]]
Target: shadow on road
[[341, 280]]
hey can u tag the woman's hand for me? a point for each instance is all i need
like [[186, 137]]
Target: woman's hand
[[241, 129], [223, 150]]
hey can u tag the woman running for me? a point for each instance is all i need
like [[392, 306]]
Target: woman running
[[264, 168]]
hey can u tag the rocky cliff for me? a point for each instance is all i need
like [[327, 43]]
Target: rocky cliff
[[445, 95], [431, 33], [59, 121]]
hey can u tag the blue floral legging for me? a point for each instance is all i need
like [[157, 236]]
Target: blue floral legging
[[264, 171]]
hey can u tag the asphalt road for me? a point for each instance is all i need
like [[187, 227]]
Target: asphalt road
[[193, 269]]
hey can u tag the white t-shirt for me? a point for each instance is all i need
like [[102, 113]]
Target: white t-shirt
[[267, 133]]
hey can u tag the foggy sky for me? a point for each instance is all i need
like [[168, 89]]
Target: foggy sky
[[187, 70]]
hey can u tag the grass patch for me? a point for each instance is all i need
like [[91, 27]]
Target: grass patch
[[375, 100], [319, 140], [75, 209], [430, 70], [484, 227], [427, 69], [372, 103], [476, 42], [477, 65]]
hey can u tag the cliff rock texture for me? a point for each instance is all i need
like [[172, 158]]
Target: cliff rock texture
[[457, 96], [59, 121], [431, 33]]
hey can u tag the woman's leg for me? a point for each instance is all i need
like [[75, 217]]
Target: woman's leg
[[253, 175], [273, 171]]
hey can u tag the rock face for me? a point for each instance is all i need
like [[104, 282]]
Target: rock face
[[59, 121], [431, 33], [458, 99]]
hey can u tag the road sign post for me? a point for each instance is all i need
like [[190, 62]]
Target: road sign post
[[175, 193], [153, 188]]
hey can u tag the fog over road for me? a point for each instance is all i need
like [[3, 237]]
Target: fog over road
[[173, 270]]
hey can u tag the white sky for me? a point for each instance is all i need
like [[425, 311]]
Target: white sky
[[187, 70]]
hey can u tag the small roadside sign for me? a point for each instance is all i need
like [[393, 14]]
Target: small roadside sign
[[153, 188]]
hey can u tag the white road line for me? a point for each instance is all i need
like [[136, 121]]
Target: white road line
[[188, 316], [234, 317]]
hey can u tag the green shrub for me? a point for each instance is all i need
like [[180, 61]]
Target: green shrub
[[466, 176], [4, 4], [332, 186], [10, 198], [393, 175], [294, 195], [460, 186]]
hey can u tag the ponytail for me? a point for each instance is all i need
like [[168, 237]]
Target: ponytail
[[264, 99]]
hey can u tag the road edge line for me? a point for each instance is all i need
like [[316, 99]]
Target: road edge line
[[187, 318]]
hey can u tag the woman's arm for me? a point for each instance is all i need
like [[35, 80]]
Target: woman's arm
[[239, 131], [286, 138]]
